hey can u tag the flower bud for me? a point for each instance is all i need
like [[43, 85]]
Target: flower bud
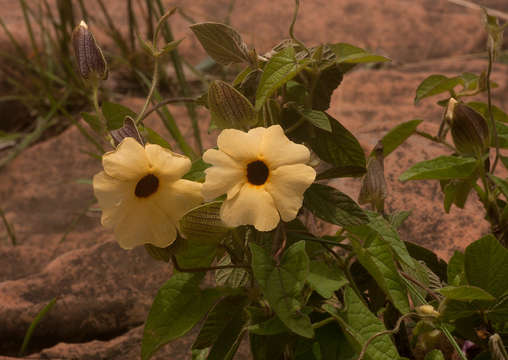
[[91, 62], [427, 311], [373, 189], [469, 129]]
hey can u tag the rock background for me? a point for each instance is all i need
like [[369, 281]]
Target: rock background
[[103, 293]]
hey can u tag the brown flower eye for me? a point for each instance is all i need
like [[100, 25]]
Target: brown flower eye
[[146, 186], [257, 172]]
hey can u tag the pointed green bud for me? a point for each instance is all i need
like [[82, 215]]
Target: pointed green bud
[[373, 189], [91, 62], [470, 132]]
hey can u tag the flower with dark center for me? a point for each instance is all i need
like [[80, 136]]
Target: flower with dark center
[[142, 195], [263, 173]]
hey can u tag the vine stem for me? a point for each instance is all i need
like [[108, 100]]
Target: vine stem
[[166, 102], [385, 332], [493, 123], [417, 282]]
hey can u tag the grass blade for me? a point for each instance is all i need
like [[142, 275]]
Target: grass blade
[[34, 324]]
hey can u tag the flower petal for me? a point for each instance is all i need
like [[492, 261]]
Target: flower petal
[[127, 162], [166, 164], [175, 199], [252, 206], [278, 150], [239, 145], [287, 185], [145, 223], [113, 196], [226, 176]]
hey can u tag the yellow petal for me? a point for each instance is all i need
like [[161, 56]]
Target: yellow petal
[[127, 162], [226, 176], [145, 223], [252, 206], [176, 198], [166, 164], [239, 145], [113, 196], [287, 185], [278, 150]]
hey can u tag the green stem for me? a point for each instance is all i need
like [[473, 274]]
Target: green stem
[[296, 125], [323, 322], [491, 117], [292, 26], [434, 138], [452, 341], [155, 79], [182, 81], [9, 228], [166, 102]]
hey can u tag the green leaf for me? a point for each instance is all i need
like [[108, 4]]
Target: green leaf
[[203, 224], [333, 206], [339, 148], [221, 42], [197, 171], [441, 168], [317, 118], [93, 121], [282, 285], [502, 136], [327, 81], [324, 279], [456, 192], [154, 138], [483, 109], [466, 293], [486, 265], [196, 254], [396, 136], [281, 68], [499, 312], [177, 307], [391, 237], [271, 326], [223, 328], [455, 270], [501, 184], [170, 46], [229, 108], [431, 260], [435, 84], [434, 355], [346, 53], [232, 277], [359, 324], [378, 260], [115, 114], [451, 310]]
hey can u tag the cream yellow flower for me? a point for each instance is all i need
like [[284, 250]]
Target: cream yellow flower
[[263, 174], [142, 195]]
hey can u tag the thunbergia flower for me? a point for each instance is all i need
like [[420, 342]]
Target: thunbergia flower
[[263, 174], [142, 195]]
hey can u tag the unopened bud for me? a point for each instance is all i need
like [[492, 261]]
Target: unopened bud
[[373, 189], [427, 311], [469, 129], [91, 62]]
